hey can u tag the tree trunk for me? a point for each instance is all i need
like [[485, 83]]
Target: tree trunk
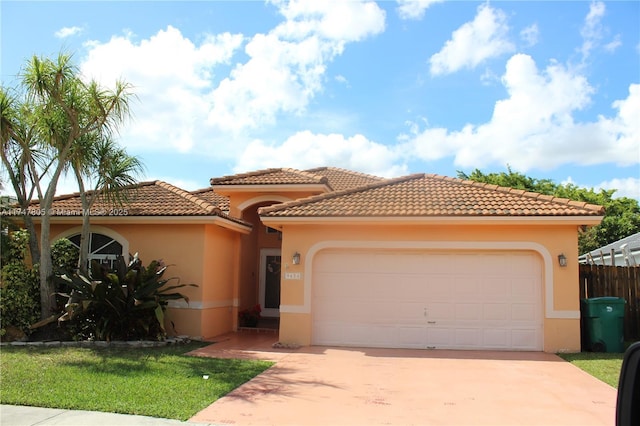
[[83, 258], [34, 249], [47, 285]]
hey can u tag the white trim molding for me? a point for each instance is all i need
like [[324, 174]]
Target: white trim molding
[[216, 304], [550, 311]]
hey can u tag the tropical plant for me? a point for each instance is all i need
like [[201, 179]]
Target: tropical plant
[[99, 161], [19, 307], [54, 108], [127, 303], [64, 256], [20, 154]]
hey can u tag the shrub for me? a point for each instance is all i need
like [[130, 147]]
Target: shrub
[[125, 304], [64, 256], [19, 287]]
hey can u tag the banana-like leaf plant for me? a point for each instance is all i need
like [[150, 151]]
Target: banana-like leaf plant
[[126, 303]]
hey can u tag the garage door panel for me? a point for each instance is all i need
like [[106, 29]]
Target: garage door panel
[[410, 337], [496, 288], [468, 338], [525, 312], [496, 312], [466, 288], [441, 337], [525, 339], [451, 300], [468, 312], [440, 311]]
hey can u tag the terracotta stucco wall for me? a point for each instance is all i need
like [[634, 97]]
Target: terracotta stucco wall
[[220, 263], [199, 254], [560, 334]]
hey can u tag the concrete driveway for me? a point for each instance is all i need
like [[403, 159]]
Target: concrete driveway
[[348, 386]]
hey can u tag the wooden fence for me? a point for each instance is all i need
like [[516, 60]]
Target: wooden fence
[[615, 281]]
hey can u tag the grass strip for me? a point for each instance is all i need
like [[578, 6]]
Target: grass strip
[[603, 366], [158, 382]]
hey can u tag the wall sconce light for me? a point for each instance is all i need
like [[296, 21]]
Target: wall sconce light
[[296, 258], [562, 260]]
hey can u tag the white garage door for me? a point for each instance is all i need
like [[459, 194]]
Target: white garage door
[[452, 300]]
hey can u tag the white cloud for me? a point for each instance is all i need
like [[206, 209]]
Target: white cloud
[[591, 31], [534, 126], [189, 100], [530, 35], [474, 42], [305, 150], [171, 78], [342, 79], [286, 67], [626, 187], [613, 45], [67, 32], [414, 9]]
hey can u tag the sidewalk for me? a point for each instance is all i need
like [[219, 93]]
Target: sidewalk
[[17, 415]]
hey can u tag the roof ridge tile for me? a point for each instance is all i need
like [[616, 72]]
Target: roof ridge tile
[[329, 195], [318, 178], [351, 172], [244, 175]]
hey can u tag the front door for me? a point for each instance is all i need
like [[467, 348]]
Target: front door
[[270, 282]]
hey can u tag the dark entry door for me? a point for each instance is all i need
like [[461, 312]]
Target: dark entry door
[[270, 262]]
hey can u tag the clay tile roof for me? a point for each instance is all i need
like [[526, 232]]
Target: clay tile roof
[[212, 197], [430, 195], [270, 177], [153, 198], [341, 179]]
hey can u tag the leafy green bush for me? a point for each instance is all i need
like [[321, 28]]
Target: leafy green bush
[[19, 288], [64, 256], [125, 304]]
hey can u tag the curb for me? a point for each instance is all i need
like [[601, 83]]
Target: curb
[[178, 340]]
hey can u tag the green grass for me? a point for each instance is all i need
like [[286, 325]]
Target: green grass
[[158, 382], [603, 366]]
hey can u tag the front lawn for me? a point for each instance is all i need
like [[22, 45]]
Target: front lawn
[[157, 382], [603, 366]]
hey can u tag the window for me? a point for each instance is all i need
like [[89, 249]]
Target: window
[[102, 248]]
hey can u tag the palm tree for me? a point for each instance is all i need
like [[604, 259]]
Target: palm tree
[[115, 173], [65, 110], [19, 155]]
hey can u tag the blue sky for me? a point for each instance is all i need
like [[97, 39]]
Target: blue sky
[[387, 88]]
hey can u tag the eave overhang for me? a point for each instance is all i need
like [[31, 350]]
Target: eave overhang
[[279, 222], [154, 220]]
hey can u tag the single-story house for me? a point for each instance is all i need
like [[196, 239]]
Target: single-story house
[[349, 259], [624, 252]]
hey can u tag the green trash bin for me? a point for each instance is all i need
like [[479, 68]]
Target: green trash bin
[[603, 318]]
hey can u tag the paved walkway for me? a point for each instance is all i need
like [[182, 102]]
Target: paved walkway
[[346, 386], [13, 415]]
